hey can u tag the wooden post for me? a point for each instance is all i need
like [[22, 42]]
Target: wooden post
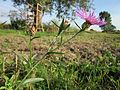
[[37, 16]]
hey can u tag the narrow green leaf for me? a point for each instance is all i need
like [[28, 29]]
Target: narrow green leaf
[[55, 53], [35, 37], [55, 24], [77, 25], [67, 26], [61, 40], [61, 27], [32, 80], [62, 24]]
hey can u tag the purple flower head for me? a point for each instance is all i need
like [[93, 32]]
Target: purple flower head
[[90, 17]]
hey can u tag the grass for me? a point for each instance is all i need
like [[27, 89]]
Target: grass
[[20, 32], [14, 32], [91, 61]]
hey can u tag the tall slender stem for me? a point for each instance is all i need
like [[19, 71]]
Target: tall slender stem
[[30, 48], [33, 67]]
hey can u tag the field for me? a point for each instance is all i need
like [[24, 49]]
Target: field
[[88, 44], [90, 61]]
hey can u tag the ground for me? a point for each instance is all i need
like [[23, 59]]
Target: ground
[[87, 45]]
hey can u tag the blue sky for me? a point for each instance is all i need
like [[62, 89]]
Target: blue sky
[[112, 6]]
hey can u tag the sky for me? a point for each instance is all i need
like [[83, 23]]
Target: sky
[[112, 6]]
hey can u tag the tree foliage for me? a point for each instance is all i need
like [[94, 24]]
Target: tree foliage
[[17, 22], [60, 7], [107, 17]]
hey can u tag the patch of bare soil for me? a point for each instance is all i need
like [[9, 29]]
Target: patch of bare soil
[[72, 50]]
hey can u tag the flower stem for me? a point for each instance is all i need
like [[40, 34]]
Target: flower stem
[[68, 40]]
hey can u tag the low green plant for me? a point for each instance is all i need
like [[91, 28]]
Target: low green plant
[[9, 83], [103, 74]]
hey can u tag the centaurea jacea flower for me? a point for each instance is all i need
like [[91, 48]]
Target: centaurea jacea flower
[[89, 17]]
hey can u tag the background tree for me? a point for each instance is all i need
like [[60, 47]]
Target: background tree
[[17, 22], [107, 17], [60, 7]]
